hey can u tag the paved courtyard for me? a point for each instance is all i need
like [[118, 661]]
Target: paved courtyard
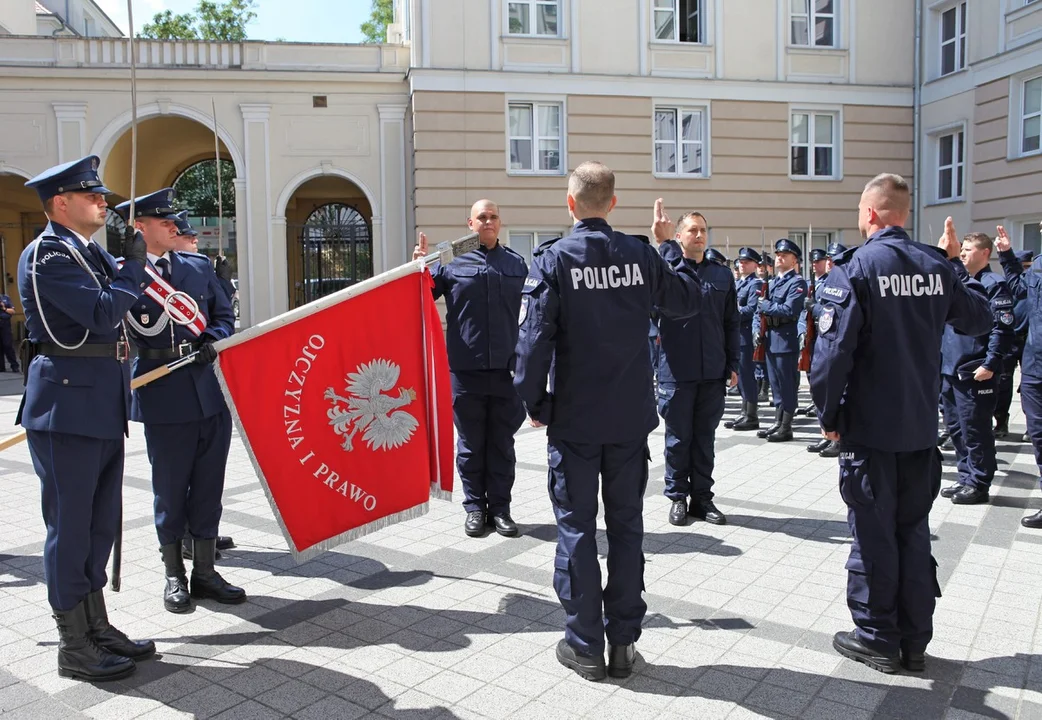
[[418, 621]]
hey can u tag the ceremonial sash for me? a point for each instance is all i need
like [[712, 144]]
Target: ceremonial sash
[[181, 308]]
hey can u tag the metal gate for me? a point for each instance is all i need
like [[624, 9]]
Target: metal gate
[[336, 250]]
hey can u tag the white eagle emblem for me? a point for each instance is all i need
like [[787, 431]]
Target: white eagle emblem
[[369, 411], [825, 321]]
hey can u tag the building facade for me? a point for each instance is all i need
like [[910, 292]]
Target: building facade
[[766, 115]]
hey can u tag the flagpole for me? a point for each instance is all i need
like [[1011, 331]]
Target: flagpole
[[220, 203]]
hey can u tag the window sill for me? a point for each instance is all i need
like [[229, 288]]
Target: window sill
[[815, 178], [946, 201], [1024, 155], [953, 73], [823, 49], [550, 39], [535, 173], [679, 43], [680, 176]]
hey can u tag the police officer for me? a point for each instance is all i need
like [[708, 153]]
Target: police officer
[[1028, 282], [585, 312], [188, 427], [821, 264], [782, 308], [1004, 392], [6, 338], [482, 292], [75, 407], [765, 273], [699, 358], [886, 305], [188, 242], [748, 293], [970, 366]]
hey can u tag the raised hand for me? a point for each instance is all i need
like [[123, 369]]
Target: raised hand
[[1002, 242], [421, 248], [949, 241], [662, 228]]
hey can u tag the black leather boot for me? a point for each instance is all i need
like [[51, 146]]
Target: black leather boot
[[108, 637], [620, 660], [784, 431], [847, 645], [742, 416], [751, 421], [175, 596], [764, 385], [777, 423], [223, 543], [207, 582], [80, 657]]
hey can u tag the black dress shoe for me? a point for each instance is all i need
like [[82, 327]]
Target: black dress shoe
[[620, 660], [1032, 521], [831, 450], [108, 637], [706, 510], [588, 667], [1001, 431], [816, 447], [948, 445], [504, 525], [847, 645], [474, 525], [224, 543], [942, 439], [678, 513], [951, 490], [967, 495]]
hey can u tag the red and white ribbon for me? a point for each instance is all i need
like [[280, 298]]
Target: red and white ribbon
[[179, 305]]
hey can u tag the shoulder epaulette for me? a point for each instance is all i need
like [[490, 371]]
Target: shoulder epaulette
[[845, 256], [542, 247], [643, 238]]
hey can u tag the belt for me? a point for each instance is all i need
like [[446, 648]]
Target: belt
[[773, 322], [185, 348], [117, 350]]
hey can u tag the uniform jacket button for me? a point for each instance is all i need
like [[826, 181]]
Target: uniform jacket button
[[65, 381]]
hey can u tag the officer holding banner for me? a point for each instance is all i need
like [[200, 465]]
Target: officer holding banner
[[75, 408], [188, 426]]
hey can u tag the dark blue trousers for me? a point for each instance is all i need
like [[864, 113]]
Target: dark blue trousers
[[783, 372], [7, 346], [891, 574], [81, 482], [485, 457], [968, 408], [1031, 401], [692, 411], [188, 463], [618, 610], [1004, 391], [747, 376]]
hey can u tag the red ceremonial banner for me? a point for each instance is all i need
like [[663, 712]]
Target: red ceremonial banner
[[345, 408]]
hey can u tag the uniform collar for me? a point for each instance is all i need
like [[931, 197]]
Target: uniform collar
[[785, 274], [57, 227], [893, 231], [155, 258], [592, 224]]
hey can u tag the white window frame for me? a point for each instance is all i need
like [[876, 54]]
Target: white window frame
[[1022, 117], [812, 16], [1021, 226], [703, 25], [532, 6], [706, 134], [537, 236], [535, 102], [959, 41], [936, 136], [837, 141]]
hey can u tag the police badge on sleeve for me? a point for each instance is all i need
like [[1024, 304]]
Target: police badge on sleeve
[[524, 309], [826, 320]]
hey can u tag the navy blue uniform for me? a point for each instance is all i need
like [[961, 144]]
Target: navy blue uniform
[[188, 427], [6, 338], [1004, 392], [698, 356], [1030, 283], [584, 324], [75, 409], [482, 292], [782, 307], [748, 294], [969, 405], [876, 383]]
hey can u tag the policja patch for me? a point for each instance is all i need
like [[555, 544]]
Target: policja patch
[[825, 321], [524, 309]]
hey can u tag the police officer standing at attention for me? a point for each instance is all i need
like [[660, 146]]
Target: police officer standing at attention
[[821, 264], [188, 242], [970, 366], [75, 408], [886, 305], [765, 274], [1028, 282], [585, 312], [1004, 392], [782, 308], [188, 427], [699, 359], [6, 338], [482, 292], [748, 293]]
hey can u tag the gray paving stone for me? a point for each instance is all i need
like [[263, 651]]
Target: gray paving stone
[[290, 697]]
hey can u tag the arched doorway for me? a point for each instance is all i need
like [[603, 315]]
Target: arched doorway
[[21, 220], [329, 238]]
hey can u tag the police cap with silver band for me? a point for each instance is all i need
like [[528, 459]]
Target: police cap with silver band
[[159, 204], [183, 226], [714, 255], [817, 254], [748, 253], [788, 246], [767, 259], [836, 249], [76, 176]]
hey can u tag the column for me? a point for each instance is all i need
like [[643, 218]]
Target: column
[[278, 243], [261, 264], [393, 190], [72, 130], [244, 257]]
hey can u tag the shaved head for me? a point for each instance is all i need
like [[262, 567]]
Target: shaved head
[[484, 220], [591, 190], [480, 205], [885, 202]]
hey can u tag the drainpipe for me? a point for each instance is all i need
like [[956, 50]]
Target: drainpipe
[[917, 85]]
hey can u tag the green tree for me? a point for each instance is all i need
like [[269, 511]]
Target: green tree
[[221, 21], [374, 30], [197, 189]]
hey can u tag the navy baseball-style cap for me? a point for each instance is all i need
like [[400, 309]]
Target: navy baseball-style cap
[[76, 176]]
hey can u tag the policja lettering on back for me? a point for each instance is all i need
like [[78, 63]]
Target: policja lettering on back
[[911, 285], [603, 278]]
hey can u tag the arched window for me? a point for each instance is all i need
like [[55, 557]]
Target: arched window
[[336, 247]]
